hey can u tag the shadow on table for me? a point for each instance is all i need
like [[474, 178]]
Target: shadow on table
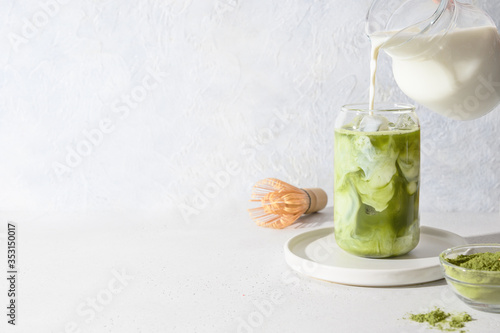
[[323, 218], [487, 238], [441, 282]]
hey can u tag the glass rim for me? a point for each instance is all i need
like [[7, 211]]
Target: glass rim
[[379, 107]]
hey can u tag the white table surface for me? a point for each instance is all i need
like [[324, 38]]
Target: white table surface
[[108, 272]]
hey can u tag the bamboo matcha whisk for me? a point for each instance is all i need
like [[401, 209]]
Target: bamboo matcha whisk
[[282, 204]]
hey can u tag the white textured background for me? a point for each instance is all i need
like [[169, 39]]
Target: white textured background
[[143, 105]]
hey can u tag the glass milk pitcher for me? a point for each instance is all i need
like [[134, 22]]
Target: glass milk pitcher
[[445, 54]]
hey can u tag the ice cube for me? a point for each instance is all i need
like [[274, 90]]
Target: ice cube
[[354, 124], [405, 122], [373, 123]]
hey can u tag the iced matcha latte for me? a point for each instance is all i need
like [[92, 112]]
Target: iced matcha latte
[[377, 166]]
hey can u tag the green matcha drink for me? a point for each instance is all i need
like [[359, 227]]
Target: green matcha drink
[[377, 170]]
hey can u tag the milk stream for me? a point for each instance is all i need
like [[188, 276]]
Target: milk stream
[[376, 44], [455, 74]]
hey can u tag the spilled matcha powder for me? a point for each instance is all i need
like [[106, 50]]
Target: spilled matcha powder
[[441, 320]]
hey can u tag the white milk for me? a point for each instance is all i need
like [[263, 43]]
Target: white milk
[[456, 74]]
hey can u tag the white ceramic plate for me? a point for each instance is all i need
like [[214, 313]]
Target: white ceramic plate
[[316, 254]]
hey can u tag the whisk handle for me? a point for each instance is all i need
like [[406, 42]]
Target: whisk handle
[[318, 199]]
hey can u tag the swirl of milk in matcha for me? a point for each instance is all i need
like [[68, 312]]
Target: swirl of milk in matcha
[[376, 188]]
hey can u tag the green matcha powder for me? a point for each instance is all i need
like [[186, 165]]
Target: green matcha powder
[[441, 320], [479, 272], [448, 322], [485, 261]]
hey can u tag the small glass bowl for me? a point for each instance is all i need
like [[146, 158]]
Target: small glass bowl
[[476, 288]]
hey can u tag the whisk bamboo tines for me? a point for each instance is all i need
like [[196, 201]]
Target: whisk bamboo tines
[[282, 203]]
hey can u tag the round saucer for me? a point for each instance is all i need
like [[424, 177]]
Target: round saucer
[[316, 254]]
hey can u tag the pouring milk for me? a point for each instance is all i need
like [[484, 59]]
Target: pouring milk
[[455, 72]]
